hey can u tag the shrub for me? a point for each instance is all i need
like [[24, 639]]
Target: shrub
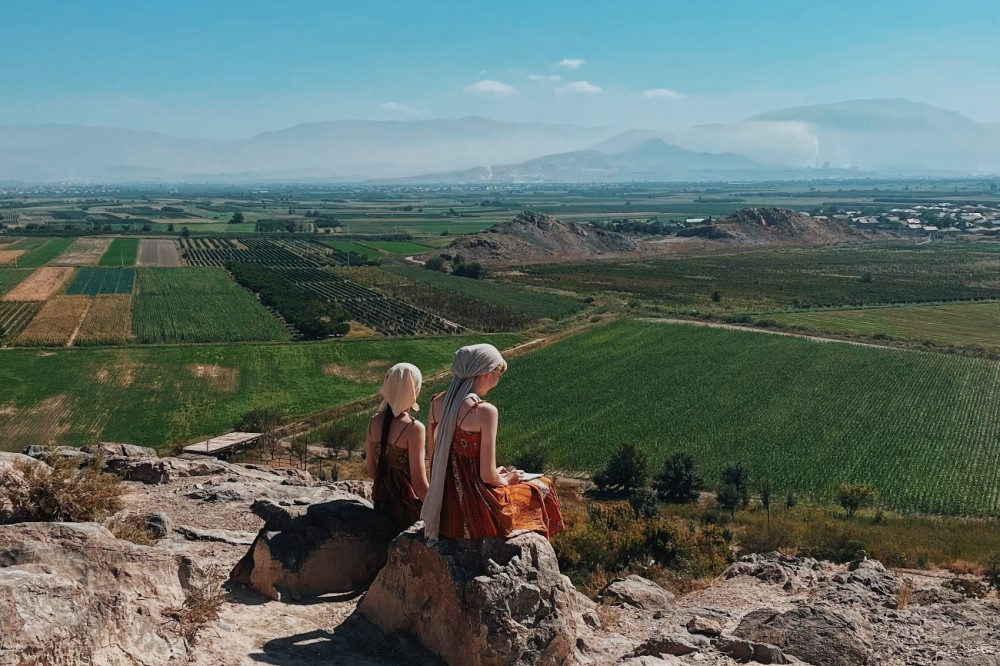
[[472, 270], [628, 468], [853, 496], [202, 603], [341, 437], [132, 528], [736, 475], [677, 482], [62, 491], [435, 264], [531, 459], [992, 573], [729, 498], [643, 502]]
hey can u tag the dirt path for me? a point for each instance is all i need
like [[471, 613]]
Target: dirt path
[[734, 327], [79, 324]]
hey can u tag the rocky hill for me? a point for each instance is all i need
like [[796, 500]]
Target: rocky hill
[[313, 578], [533, 236], [776, 225]]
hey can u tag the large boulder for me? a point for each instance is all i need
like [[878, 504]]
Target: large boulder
[[479, 603], [638, 592], [333, 546], [74, 594], [817, 635]]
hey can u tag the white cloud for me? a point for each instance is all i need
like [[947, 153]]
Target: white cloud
[[545, 77], [571, 63], [400, 108], [662, 93], [585, 87], [491, 87]]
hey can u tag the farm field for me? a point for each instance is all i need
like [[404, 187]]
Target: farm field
[[10, 256], [45, 252], [108, 321], [84, 252], [40, 284], [158, 252], [769, 279], [11, 277], [14, 317], [398, 247], [121, 252], [198, 305], [56, 322], [93, 281], [923, 428], [972, 324], [352, 246], [158, 396]]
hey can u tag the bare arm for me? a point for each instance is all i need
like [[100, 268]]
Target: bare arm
[[415, 448], [488, 419], [371, 464]]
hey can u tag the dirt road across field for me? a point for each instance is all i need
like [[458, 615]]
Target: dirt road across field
[[158, 252], [769, 331]]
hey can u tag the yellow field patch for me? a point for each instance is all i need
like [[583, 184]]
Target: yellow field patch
[[40, 285], [109, 320], [222, 379], [84, 252], [56, 322], [8, 256]]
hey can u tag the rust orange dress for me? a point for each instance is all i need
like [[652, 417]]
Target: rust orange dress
[[472, 509], [392, 489]]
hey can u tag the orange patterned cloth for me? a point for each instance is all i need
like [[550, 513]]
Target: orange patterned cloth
[[471, 509], [392, 491]]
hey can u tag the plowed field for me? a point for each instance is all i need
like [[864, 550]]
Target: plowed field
[[40, 285]]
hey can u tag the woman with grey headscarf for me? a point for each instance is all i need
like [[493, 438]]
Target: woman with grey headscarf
[[469, 496]]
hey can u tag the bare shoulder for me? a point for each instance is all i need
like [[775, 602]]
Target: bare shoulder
[[487, 411]]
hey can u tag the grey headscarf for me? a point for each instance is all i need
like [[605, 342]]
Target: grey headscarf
[[469, 362]]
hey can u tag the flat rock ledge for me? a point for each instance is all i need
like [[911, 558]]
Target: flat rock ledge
[[487, 603]]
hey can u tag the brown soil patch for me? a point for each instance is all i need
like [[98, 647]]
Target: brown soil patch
[[84, 252], [42, 423], [40, 285], [360, 331], [56, 322], [158, 252], [8, 256], [369, 373], [222, 379]]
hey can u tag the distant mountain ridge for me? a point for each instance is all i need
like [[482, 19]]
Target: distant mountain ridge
[[877, 137]]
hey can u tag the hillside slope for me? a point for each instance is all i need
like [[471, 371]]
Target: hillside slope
[[532, 236], [776, 225]]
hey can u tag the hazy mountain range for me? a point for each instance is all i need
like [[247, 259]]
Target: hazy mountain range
[[886, 137]]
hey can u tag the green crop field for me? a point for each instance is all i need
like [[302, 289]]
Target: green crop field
[[93, 281], [121, 252], [157, 396], [351, 246], [28, 244], [974, 324], [198, 305], [923, 428], [11, 277], [398, 247], [44, 253], [768, 279]]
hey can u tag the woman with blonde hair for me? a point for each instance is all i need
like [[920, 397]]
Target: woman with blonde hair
[[394, 447], [469, 496]]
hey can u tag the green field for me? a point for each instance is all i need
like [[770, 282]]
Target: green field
[[398, 247], [27, 244], [44, 253], [11, 277], [770, 279], [351, 246], [198, 305], [157, 396], [93, 281], [121, 252], [923, 428], [967, 324]]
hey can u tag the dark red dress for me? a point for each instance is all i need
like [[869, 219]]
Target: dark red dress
[[392, 490]]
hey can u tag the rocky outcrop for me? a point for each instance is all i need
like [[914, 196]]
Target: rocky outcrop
[[638, 592], [74, 594], [304, 552], [776, 225], [819, 636], [488, 603]]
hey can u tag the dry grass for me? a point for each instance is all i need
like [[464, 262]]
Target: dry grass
[[904, 595], [8, 256], [222, 379], [56, 322], [60, 492], [109, 320], [132, 527], [40, 285], [202, 603], [84, 252], [609, 615]]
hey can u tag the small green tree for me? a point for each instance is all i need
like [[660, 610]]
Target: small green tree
[[678, 482], [435, 264], [854, 496], [737, 476], [341, 437], [643, 503], [765, 490], [628, 468], [729, 498], [237, 218]]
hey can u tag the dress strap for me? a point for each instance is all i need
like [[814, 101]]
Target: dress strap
[[478, 402], [400, 434]]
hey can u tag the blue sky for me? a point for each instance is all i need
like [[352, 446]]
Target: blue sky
[[232, 69]]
